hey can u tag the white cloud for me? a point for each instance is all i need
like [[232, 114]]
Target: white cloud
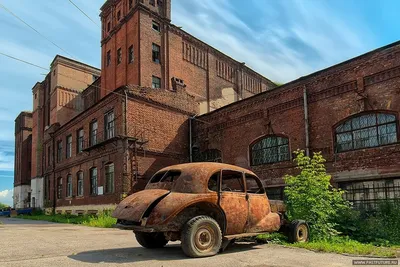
[[286, 39], [6, 197]]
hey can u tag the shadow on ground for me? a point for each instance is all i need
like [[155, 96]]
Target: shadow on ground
[[137, 254]]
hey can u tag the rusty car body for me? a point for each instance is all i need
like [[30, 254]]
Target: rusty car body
[[205, 205]]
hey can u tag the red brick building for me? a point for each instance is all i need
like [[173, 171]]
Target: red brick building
[[349, 111], [95, 140], [22, 162], [141, 47]]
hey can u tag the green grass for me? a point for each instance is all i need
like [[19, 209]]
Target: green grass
[[340, 245], [103, 219]]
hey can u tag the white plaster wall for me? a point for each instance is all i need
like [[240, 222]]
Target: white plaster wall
[[37, 192], [20, 196]]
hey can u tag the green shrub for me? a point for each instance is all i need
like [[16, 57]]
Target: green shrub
[[310, 196], [103, 219], [380, 225]]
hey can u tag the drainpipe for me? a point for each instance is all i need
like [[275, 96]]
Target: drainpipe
[[306, 122], [126, 148], [190, 139], [54, 174]]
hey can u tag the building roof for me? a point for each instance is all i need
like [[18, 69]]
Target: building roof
[[303, 78]]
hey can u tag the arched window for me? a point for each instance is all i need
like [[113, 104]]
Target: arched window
[[367, 130], [209, 155], [269, 149]]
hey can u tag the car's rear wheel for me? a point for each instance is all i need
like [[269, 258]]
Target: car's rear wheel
[[298, 231], [151, 240], [201, 237]]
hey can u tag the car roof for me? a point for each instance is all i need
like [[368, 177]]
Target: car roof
[[194, 167], [194, 176]]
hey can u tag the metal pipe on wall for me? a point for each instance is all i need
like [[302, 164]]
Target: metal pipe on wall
[[306, 129]]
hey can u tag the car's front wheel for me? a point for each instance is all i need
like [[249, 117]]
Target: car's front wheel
[[201, 237], [151, 240]]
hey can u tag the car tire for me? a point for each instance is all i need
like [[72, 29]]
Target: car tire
[[151, 240], [201, 237], [298, 231]]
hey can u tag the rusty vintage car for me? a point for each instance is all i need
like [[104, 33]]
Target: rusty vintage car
[[205, 205]]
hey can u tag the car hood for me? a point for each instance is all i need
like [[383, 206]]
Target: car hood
[[134, 206]]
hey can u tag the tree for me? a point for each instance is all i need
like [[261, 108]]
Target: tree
[[311, 197], [2, 206]]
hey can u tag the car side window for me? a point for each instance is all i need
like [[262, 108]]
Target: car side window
[[157, 177], [213, 182], [253, 185], [232, 181]]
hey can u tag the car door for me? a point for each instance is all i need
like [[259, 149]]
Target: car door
[[258, 205], [233, 201]]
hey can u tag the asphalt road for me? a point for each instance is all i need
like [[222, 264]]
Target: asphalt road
[[35, 243]]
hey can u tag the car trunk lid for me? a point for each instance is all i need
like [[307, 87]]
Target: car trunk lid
[[134, 206]]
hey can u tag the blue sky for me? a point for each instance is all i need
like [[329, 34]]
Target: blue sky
[[281, 39]]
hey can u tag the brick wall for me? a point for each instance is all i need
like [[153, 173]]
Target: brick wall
[[368, 83], [23, 148]]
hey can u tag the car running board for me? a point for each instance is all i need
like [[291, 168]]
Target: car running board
[[238, 236]]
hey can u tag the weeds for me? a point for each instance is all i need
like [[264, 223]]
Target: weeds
[[103, 219], [341, 245]]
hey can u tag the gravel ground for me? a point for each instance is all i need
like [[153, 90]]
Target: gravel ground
[[37, 243]]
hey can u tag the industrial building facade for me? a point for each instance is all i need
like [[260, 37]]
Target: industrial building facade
[[349, 112], [164, 97]]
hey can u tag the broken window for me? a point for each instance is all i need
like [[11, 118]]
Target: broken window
[[79, 139], [69, 185], [253, 185], [59, 188], [213, 182], [109, 171], [232, 181], [93, 133], [80, 183], [108, 58], [130, 54], [93, 181], [119, 56], [68, 149], [109, 125], [156, 53], [156, 82], [156, 26], [364, 131], [270, 149], [59, 150], [119, 15]]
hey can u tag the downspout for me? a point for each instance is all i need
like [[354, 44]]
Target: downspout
[[306, 129], [190, 139], [126, 149], [54, 175]]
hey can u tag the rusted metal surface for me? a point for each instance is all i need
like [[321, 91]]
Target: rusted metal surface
[[134, 206], [175, 203], [168, 205], [277, 206]]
